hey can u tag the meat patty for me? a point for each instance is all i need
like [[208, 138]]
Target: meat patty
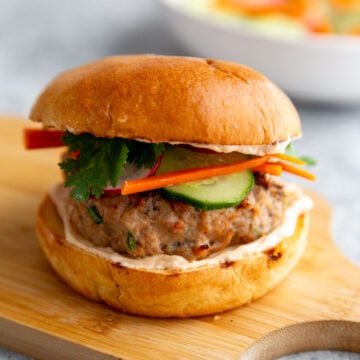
[[149, 224]]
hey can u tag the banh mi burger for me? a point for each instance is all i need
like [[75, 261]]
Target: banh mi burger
[[172, 204]]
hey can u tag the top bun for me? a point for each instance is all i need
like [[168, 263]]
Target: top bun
[[169, 99]]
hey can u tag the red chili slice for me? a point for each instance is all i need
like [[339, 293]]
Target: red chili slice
[[131, 172], [42, 138]]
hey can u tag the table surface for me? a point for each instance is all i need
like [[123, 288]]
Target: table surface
[[39, 38]]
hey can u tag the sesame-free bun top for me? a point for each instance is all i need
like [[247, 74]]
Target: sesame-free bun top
[[169, 99]]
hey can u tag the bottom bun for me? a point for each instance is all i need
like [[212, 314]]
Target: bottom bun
[[160, 293]]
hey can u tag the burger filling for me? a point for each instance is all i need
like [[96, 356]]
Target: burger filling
[[142, 199], [148, 224]]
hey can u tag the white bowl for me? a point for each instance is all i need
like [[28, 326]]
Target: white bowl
[[324, 68]]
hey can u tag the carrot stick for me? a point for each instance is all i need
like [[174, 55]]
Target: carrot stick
[[297, 171], [183, 176], [269, 168], [289, 158]]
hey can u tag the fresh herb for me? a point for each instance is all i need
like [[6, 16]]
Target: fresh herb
[[308, 160], [94, 214], [130, 241], [101, 161], [290, 149], [257, 232], [144, 154]]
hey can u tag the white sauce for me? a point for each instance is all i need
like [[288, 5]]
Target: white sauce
[[260, 150], [174, 262]]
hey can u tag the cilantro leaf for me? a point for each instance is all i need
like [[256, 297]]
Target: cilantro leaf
[[94, 214], [117, 157], [308, 160], [90, 171], [290, 149], [143, 154], [100, 162], [131, 241]]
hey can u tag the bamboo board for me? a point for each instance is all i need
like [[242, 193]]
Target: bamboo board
[[316, 307]]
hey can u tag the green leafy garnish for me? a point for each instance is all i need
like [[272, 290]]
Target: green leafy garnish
[[144, 154], [308, 160], [290, 149], [100, 161], [94, 214], [130, 241]]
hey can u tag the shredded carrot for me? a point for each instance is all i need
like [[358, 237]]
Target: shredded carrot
[[289, 158], [255, 8], [354, 31], [260, 164], [297, 171], [188, 175], [269, 168]]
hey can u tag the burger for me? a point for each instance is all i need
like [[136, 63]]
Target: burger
[[171, 203]]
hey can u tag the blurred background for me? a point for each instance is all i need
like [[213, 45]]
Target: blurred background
[[321, 73]]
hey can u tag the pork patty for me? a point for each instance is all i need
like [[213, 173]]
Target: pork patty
[[149, 224]]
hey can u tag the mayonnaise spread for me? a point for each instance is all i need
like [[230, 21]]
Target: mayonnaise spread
[[259, 150], [59, 195]]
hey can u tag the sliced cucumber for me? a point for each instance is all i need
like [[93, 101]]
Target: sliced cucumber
[[213, 193]]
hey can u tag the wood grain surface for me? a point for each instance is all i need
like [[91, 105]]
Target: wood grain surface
[[317, 306]]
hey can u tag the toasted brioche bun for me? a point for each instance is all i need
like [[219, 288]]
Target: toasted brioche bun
[[177, 100], [160, 293], [167, 99]]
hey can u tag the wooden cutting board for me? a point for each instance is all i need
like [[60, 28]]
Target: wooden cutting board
[[316, 307]]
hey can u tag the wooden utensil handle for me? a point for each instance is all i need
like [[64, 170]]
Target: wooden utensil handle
[[306, 336]]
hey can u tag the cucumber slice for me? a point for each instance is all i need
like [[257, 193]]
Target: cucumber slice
[[209, 194]]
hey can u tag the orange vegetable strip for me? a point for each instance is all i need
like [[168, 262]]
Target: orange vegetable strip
[[297, 171], [269, 168], [42, 138], [188, 175], [289, 158], [251, 7], [354, 31]]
